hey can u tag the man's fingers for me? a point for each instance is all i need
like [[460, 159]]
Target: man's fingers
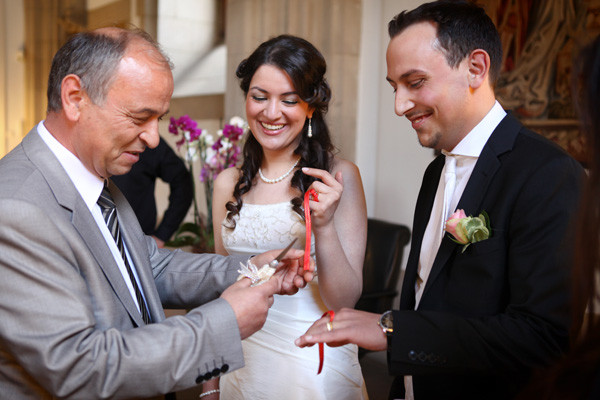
[[243, 283], [272, 286]]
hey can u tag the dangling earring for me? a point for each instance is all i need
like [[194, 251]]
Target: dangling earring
[[309, 134]]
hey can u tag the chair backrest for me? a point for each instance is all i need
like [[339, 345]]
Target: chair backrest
[[381, 270]]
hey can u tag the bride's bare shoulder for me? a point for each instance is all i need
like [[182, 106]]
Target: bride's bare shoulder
[[227, 179]]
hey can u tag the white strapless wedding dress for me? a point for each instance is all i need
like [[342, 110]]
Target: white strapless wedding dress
[[274, 367]]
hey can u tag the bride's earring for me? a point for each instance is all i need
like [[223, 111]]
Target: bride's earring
[[309, 134]]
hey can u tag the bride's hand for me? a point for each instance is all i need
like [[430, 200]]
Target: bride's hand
[[329, 191], [290, 272]]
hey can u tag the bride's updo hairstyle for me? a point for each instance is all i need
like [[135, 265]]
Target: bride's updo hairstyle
[[305, 66]]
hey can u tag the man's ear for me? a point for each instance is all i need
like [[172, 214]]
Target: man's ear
[[72, 96], [478, 67]]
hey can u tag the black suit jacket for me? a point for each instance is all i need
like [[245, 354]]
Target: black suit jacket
[[490, 314], [138, 186]]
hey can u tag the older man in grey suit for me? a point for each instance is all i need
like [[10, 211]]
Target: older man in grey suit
[[82, 312]]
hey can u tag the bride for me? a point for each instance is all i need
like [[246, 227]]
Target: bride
[[260, 207]]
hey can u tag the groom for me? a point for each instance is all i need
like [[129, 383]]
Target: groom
[[471, 324]]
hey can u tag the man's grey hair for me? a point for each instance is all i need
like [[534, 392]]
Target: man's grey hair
[[94, 57]]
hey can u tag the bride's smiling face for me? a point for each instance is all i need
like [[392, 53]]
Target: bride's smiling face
[[275, 112]]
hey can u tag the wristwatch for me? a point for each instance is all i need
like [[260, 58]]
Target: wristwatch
[[386, 323]]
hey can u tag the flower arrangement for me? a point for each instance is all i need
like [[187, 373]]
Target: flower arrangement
[[215, 155], [466, 230]]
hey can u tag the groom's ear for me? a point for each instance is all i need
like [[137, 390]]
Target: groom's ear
[[478, 67]]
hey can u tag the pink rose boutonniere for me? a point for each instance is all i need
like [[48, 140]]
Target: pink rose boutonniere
[[466, 230]]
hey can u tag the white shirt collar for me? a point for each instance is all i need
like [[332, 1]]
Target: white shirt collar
[[87, 184], [473, 143]]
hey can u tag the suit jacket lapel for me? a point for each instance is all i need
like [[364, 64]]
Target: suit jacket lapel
[[68, 197], [136, 245], [488, 163], [423, 208]]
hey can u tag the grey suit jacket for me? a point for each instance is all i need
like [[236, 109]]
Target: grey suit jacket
[[68, 325]]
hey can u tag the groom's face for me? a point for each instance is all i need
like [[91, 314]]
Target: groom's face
[[428, 92]]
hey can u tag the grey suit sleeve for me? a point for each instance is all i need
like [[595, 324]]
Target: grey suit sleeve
[[64, 333], [186, 280]]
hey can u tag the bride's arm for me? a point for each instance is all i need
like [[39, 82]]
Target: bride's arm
[[339, 223]]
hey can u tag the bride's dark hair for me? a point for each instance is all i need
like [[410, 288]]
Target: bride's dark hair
[[306, 67]]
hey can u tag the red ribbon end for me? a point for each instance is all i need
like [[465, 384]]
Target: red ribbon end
[[331, 314]]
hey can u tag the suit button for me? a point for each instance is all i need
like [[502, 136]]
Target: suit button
[[216, 372], [199, 379], [207, 376], [422, 357], [412, 355], [224, 368]]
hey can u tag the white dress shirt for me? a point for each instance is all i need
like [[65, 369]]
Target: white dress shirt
[[89, 187]]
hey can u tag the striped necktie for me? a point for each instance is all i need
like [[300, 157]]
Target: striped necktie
[[109, 212]]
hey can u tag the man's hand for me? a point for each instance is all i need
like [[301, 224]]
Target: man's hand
[[250, 304], [349, 326]]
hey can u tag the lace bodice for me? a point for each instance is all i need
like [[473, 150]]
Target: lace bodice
[[262, 227]]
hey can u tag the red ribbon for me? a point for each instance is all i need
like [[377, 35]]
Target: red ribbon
[[331, 314], [315, 197]]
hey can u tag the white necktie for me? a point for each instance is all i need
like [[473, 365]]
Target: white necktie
[[450, 183], [435, 228]]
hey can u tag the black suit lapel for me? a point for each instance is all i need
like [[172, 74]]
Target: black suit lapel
[[501, 141], [422, 212]]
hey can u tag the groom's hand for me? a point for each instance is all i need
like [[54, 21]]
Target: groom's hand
[[348, 326]]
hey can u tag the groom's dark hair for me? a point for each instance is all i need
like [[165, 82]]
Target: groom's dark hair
[[461, 28]]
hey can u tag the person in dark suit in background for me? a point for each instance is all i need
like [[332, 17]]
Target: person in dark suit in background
[[472, 324], [138, 186]]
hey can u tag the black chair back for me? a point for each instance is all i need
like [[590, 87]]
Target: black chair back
[[381, 270]]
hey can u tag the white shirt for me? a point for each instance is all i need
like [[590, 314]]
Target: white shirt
[[89, 187]]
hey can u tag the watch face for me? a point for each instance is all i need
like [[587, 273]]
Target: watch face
[[386, 322]]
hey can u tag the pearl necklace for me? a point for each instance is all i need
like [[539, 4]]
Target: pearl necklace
[[282, 177]]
